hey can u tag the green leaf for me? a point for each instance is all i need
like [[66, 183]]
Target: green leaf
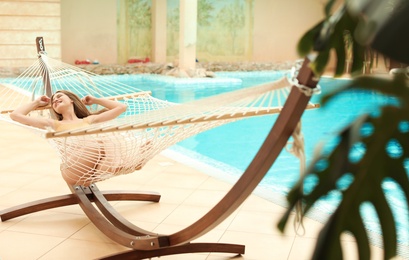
[[341, 57], [325, 250], [328, 35], [376, 165], [387, 223], [318, 66], [306, 43], [369, 173], [358, 60], [358, 230], [328, 7]]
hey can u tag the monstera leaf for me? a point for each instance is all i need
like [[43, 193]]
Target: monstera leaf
[[377, 135], [327, 36]]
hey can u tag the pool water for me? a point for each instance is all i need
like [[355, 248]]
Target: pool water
[[226, 151]]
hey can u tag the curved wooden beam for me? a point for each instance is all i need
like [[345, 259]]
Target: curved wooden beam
[[145, 242], [71, 199], [268, 153], [114, 217], [182, 249]]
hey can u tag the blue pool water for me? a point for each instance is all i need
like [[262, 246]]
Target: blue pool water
[[226, 151]]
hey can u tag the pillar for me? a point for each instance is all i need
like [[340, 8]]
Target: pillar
[[159, 9], [187, 34]]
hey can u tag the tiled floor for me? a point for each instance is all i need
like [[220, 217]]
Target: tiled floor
[[29, 170]]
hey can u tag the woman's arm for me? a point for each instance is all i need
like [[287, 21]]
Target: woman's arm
[[21, 114], [115, 108]]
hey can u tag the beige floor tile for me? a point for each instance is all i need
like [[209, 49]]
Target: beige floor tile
[[259, 222], [196, 256], [170, 194], [92, 234], [80, 249], [214, 184], [5, 190], [51, 183], [309, 228], [259, 204], [17, 179], [213, 236], [302, 248], [73, 210], [168, 229], [178, 180], [4, 225], [21, 195], [132, 181], [185, 215], [50, 224], [217, 256], [145, 211], [207, 198], [260, 246], [18, 246]]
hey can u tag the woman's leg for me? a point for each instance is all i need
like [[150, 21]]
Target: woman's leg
[[79, 167]]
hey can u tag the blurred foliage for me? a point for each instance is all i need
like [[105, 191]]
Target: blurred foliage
[[377, 163], [329, 35]]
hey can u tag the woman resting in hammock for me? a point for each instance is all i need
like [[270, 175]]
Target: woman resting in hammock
[[85, 158]]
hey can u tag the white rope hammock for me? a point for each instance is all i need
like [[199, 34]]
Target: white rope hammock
[[123, 145]]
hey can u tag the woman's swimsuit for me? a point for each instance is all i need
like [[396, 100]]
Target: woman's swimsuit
[[60, 126]]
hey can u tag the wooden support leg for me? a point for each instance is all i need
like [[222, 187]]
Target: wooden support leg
[[109, 212], [146, 244], [71, 199], [36, 206], [182, 249]]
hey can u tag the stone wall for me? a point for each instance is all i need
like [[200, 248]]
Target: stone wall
[[20, 23], [203, 69]]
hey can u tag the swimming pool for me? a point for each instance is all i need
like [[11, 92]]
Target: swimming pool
[[226, 151]]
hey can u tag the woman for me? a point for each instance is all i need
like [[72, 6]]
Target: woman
[[81, 159], [70, 111]]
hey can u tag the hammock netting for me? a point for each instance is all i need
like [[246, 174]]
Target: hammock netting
[[149, 126]]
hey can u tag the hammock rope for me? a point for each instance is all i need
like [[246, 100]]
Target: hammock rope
[[296, 147], [150, 125]]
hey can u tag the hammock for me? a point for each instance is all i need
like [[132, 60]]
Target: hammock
[[149, 125]]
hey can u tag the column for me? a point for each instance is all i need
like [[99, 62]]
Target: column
[[159, 9], [187, 34]]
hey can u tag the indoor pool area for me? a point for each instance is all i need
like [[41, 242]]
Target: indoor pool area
[[186, 173], [204, 130]]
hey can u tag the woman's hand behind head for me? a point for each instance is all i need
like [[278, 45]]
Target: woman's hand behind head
[[43, 101], [88, 100]]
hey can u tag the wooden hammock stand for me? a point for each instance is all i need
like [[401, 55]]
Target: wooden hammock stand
[[145, 244]]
